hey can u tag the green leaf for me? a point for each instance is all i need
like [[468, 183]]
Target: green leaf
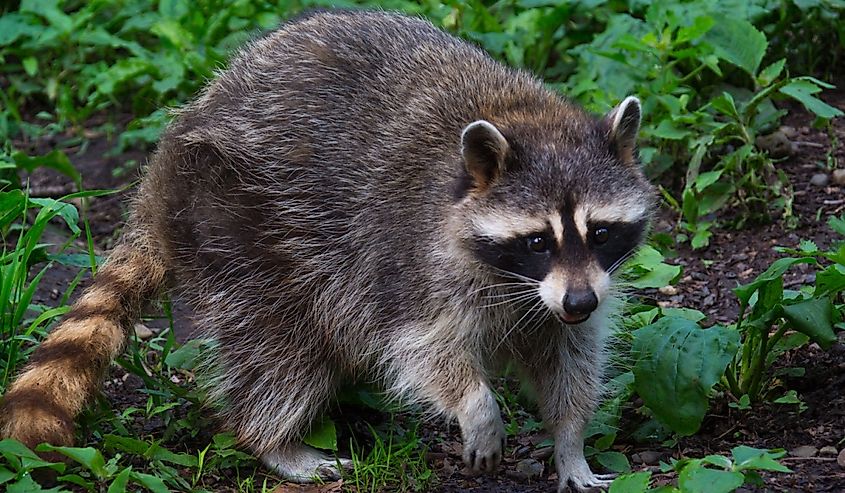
[[152, 483], [614, 461], [699, 27], [30, 66], [5, 475], [749, 458], [802, 91], [322, 435], [14, 26], [770, 73], [28, 485], [737, 41], [118, 485], [68, 212], [774, 271], [697, 479], [813, 318], [677, 363], [631, 483], [13, 450], [830, 280], [89, 457], [56, 160], [687, 313], [837, 224]]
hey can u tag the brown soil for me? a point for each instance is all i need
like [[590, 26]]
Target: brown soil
[[733, 257]]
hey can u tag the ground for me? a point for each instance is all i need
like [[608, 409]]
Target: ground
[[734, 256]]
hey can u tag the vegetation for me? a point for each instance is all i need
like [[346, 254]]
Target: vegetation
[[715, 79]]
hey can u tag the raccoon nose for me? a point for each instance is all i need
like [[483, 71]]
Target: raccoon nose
[[580, 302]]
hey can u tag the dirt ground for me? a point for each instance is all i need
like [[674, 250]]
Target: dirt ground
[[733, 257]]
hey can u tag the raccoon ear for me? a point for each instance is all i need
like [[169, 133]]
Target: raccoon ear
[[484, 149], [624, 123]]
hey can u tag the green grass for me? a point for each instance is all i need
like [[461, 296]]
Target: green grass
[[711, 76]]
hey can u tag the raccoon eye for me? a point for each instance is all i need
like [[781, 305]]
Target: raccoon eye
[[600, 236], [537, 244]]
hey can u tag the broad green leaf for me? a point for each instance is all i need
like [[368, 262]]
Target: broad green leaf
[[631, 483], [615, 461], [770, 73], [837, 224], [699, 27], [774, 271], [66, 211], [677, 363], [706, 179], [718, 460], [813, 317], [118, 485], [5, 475], [322, 435], [751, 458], [802, 91], [28, 485], [89, 457], [667, 129], [14, 26], [56, 160], [17, 453], [737, 41], [150, 482], [830, 280], [697, 479], [687, 313]]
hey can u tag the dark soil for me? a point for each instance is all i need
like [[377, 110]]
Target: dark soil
[[733, 257]]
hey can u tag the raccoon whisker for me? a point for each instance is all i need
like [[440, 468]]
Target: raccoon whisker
[[500, 285], [524, 297], [531, 311], [510, 294], [622, 260], [514, 275]]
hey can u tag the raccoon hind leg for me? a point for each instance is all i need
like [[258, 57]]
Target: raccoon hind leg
[[301, 463]]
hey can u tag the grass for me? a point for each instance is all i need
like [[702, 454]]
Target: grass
[[712, 77]]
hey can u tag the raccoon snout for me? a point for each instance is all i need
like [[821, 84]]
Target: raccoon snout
[[579, 304]]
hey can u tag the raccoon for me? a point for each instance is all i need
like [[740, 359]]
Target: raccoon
[[363, 196]]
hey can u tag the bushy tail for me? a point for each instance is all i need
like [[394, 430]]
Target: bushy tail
[[65, 371]]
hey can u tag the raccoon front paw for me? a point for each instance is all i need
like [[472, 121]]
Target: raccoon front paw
[[304, 464], [483, 432], [580, 479]]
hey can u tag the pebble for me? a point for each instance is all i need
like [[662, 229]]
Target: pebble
[[143, 332], [529, 469], [646, 457], [819, 180], [839, 176], [840, 459], [804, 451], [668, 290], [827, 450], [790, 132]]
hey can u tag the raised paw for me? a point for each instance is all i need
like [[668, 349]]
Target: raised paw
[[303, 464]]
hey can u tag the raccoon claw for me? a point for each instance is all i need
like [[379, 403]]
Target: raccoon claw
[[304, 464], [585, 483]]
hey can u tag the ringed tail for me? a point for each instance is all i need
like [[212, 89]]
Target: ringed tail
[[65, 371]]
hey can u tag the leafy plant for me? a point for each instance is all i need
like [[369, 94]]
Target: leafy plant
[[710, 474]]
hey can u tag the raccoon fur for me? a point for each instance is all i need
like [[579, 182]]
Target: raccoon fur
[[361, 195]]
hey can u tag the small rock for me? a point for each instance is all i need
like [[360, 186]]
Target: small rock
[[529, 468], [668, 290], [819, 180], [788, 131], [804, 451], [542, 453], [804, 130], [650, 457], [777, 144], [143, 332], [827, 450], [840, 459], [839, 176]]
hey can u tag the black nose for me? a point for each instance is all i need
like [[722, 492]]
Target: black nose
[[580, 302]]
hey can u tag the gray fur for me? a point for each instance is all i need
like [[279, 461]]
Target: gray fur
[[314, 208]]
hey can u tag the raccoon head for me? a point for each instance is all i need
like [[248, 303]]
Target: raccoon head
[[555, 206]]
